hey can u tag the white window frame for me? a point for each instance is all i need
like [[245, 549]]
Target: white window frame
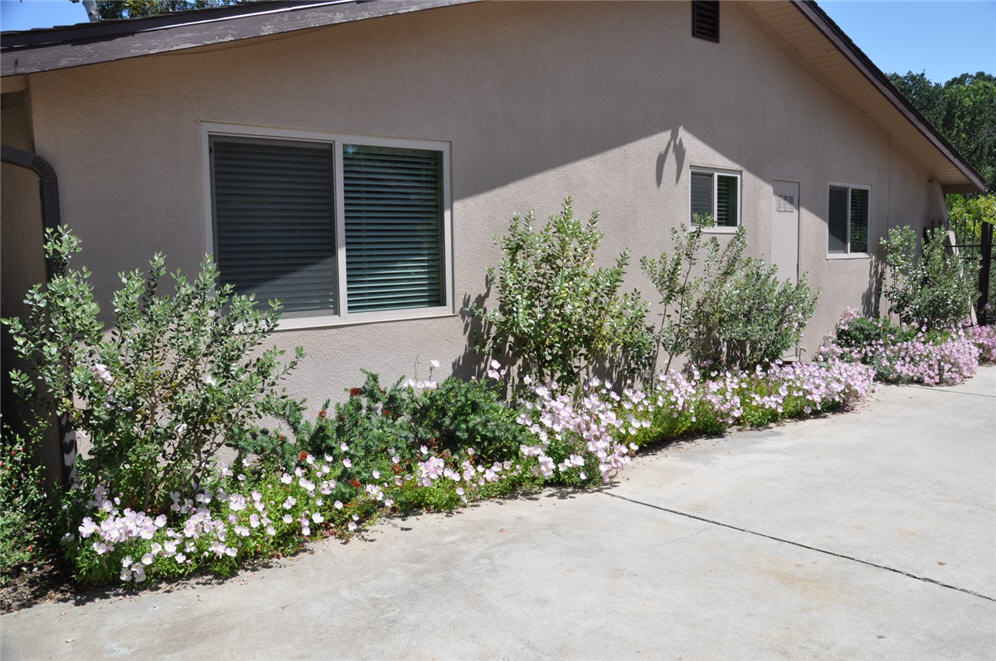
[[342, 316], [717, 229], [847, 254]]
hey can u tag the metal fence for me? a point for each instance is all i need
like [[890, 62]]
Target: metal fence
[[974, 243]]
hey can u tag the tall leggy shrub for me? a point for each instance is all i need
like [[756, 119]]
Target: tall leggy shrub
[[176, 377], [929, 288], [735, 313], [558, 314]]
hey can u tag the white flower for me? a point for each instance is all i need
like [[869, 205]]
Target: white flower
[[434, 363], [147, 559], [102, 373]]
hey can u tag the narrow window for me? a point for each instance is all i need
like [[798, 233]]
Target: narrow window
[[701, 194], [837, 220], [847, 220], [715, 194], [726, 200], [859, 220], [705, 19]]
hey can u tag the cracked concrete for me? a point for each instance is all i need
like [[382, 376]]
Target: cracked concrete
[[907, 483]]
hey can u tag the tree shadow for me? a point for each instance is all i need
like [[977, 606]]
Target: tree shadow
[[871, 299], [676, 144]]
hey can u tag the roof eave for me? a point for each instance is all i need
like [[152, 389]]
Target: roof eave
[[86, 44], [876, 77]]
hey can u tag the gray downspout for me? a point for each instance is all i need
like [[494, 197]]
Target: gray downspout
[[48, 184]]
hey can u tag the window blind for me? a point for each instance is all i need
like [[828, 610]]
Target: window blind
[[726, 201], [701, 194], [274, 220], [859, 220], [394, 228]]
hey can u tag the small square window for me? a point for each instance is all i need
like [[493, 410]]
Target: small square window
[[715, 194], [847, 220]]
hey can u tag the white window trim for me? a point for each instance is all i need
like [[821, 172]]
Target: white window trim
[[717, 229], [848, 254], [342, 316]]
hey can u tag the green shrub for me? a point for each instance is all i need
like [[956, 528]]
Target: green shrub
[[176, 377], [377, 423], [25, 513], [459, 414], [736, 314], [374, 421], [558, 315], [928, 288], [865, 332]]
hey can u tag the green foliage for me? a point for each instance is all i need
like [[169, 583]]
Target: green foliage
[[968, 212], [374, 423], [865, 332], [25, 514], [116, 9], [672, 277], [379, 423], [963, 110], [736, 314], [558, 314], [175, 378], [468, 414], [928, 288]]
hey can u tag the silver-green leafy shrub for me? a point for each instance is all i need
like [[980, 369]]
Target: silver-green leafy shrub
[[559, 315], [176, 377], [929, 287], [733, 313]]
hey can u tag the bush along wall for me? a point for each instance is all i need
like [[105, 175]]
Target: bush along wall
[[155, 392]]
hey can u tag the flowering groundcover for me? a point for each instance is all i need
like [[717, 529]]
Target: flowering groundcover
[[257, 511], [904, 355]]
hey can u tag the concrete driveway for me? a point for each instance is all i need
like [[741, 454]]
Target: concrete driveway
[[865, 535]]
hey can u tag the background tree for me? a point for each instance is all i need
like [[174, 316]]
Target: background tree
[[104, 10], [963, 110]]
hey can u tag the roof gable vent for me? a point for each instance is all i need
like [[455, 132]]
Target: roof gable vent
[[705, 19]]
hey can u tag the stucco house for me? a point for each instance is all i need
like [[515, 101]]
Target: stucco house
[[356, 159]]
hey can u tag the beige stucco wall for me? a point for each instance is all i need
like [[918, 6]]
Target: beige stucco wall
[[610, 103]]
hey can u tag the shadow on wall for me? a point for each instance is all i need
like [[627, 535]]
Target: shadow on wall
[[471, 364], [678, 144], [871, 299]]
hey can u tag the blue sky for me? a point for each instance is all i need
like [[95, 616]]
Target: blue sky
[[942, 39]]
